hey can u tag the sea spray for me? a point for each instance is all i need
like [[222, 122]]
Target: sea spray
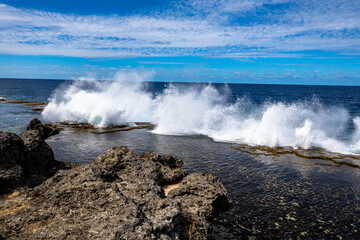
[[102, 103], [180, 110]]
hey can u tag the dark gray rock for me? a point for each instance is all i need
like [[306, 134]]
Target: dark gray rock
[[44, 131], [40, 158], [12, 150], [202, 196], [167, 160], [11, 177], [12, 155], [118, 196], [27, 159]]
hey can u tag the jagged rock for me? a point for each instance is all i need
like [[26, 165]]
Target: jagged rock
[[118, 196], [27, 159], [44, 131], [202, 196], [167, 159]]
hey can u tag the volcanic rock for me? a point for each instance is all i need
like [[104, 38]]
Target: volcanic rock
[[120, 195]]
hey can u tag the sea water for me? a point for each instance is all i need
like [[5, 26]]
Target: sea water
[[196, 122]]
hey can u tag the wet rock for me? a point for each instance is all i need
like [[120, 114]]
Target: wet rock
[[117, 196]]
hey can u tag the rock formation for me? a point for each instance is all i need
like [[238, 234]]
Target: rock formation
[[27, 159], [44, 131], [120, 195]]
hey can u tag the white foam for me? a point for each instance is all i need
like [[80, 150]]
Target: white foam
[[194, 110], [101, 103]]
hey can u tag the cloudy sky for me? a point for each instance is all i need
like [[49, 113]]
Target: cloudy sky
[[244, 41]]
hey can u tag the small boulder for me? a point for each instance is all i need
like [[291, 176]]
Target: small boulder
[[44, 131]]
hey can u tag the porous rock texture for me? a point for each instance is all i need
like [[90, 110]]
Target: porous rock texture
[[120, 195]]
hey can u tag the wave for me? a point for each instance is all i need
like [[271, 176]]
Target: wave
[[180, 110]]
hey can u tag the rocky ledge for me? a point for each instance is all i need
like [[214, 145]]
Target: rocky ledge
[[120, 195]]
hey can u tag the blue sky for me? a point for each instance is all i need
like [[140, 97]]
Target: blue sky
[[237, 41]]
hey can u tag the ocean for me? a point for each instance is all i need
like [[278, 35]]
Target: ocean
[[274, 196]]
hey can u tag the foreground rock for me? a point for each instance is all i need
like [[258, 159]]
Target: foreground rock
[[120, 195], [27, 159]]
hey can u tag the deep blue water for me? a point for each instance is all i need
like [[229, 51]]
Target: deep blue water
[[28, 89], [14, 117], [272, 198], [347, 96]]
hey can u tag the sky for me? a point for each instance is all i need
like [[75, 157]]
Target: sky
[[234, 41]]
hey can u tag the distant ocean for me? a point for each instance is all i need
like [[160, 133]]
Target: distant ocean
[[271, 115], [197, 122]]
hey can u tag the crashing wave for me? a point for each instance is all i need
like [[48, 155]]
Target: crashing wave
[[193, 110]]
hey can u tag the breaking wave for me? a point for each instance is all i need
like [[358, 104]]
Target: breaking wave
[[205, 110]]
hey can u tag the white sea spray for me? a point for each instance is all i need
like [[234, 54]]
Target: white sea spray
[[204, 110]]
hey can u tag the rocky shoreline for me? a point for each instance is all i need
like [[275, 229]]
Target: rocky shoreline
[[120, 195]]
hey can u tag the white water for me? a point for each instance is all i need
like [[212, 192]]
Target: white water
[[185, 111]]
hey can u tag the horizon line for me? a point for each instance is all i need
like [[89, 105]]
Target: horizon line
[[209, 82]]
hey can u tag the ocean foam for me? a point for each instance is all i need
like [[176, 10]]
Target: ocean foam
[[205, 111]]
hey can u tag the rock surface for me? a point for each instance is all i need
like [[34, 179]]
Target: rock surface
[[13, 154], [120, 195], [27, 159], [44, 131]]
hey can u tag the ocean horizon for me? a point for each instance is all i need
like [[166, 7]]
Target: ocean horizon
[[197, 82]]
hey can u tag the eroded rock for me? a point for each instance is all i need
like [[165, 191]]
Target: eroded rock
[[202, 196], [117, 196]]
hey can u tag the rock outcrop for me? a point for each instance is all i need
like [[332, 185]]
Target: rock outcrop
[[27, 159], [44, 131], [120, 195]]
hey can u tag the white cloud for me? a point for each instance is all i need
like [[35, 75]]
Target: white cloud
[[222, 28]]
